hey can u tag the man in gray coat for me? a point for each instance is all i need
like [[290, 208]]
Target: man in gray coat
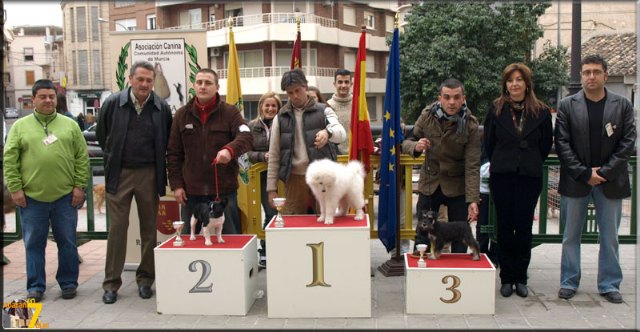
[[594, 138]]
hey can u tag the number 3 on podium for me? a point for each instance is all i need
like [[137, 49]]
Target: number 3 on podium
[[453, 289]]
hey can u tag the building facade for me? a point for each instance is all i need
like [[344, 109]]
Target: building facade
[[264, 33], [86, 40], [33, 54]]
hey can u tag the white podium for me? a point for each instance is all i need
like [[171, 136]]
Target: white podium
[[453, 284], [318, 270], [207, 280]]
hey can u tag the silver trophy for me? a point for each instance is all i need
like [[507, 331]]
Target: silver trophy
[[279, 204], [177, 225], [422, 248]]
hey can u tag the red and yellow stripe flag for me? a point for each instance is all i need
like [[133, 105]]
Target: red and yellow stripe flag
[[360, 138]]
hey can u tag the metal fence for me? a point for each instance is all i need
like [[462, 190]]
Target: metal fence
[[546, 227]]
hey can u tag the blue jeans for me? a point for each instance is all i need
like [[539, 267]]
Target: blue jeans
[[573, 213], [35, 228]]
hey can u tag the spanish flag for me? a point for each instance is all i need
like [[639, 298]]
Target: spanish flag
[[360, 138], [234, 90], [297, 49]]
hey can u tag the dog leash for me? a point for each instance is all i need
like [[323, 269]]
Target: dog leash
[[215, 173]]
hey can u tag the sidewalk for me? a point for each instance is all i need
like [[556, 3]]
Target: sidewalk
[[542, 309]]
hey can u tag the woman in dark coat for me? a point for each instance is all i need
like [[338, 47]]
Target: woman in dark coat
[[517, 139], [268, 106]]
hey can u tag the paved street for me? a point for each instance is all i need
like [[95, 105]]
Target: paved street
[[542, 309]]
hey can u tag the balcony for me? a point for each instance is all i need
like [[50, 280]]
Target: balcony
[[269, 27], [267, 18]]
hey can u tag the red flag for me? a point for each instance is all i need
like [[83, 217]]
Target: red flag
[[297, 50], [360, 138]]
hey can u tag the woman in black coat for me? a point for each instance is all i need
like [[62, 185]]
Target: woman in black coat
[[517, 139]]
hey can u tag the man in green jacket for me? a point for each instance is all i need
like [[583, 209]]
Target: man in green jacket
[[46, 169], [448, 135]]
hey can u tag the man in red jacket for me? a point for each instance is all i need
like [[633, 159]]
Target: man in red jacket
[[207, 132]]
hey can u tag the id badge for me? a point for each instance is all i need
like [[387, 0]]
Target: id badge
[[609, 129], [49, 139]]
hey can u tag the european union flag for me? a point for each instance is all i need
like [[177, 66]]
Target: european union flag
[[389, 160]]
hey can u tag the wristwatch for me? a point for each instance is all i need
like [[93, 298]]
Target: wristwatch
[[330, 132]]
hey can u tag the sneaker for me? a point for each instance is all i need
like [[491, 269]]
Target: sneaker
[[566, 293], [69, 293], [613, 297], [262, 262], [35, 296]]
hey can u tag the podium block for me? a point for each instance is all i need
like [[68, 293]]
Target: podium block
[[318, 270], [453, 284], [207, 280]]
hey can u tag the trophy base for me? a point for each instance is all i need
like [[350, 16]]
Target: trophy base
[[422, 264], [178, 243]]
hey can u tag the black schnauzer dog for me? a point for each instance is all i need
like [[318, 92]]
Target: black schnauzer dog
[[439, 233], [209, 214]]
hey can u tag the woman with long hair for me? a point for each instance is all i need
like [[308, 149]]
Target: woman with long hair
[[517, 139], [268, 106]]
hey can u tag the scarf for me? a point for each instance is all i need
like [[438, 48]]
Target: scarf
[[459, 117], [205, 110]]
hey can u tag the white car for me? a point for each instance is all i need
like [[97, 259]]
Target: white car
[[11, 112]]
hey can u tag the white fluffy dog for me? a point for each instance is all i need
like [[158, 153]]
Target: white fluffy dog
[[337, 186]]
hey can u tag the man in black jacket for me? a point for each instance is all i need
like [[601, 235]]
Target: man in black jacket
[[133, 131], [594, 138]]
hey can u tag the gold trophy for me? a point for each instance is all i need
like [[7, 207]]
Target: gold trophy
[[177, 225], [279, 204]]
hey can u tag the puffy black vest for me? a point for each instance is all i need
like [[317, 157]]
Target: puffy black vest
[[312, 122]]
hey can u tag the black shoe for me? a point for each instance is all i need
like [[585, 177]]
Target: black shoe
[[506, 290], [109, 297], [35, 296], [613, 297], [566, 293], [521, 290], [262, 263], [69, 293], [145, 292]]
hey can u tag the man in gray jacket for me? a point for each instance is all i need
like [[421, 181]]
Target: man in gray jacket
[[594, 138]]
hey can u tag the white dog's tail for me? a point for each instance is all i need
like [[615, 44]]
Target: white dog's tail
[[357, 168]]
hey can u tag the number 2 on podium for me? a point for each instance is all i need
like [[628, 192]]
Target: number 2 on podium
[[317, 251]]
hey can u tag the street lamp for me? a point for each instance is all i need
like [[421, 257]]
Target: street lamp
[[124, 28]]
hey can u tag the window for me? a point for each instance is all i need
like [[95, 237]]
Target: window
[[389, 23], [83, 67], [28, 54], [75, 68], [81, 24], [350, 61], [236, 13], [123, 3], [371, 63], [151, 22], [97, 77], [30, 77], [128, 24], [73, 25], [283, 58], [371, 107], [95, 29], [247, 59], [349, 16], [191, 18], [369, 20]]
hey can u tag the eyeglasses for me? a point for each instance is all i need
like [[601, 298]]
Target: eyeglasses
[[588, 73]]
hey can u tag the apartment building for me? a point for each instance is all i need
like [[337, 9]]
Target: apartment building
[[33, 54], [86, 39], [264, 34]]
